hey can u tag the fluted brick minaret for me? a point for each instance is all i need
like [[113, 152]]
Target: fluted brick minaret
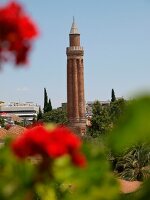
[[75, 82]]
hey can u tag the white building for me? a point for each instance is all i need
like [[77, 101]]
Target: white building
[[27, 111]]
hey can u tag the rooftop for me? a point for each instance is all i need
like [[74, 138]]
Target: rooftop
[[13, 131]]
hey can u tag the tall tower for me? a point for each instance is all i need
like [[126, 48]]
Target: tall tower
[[75, 82]]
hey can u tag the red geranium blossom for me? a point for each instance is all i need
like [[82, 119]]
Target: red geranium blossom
[[16, 33], [32, 142], [62, 141], [79, 159], [49, 143]]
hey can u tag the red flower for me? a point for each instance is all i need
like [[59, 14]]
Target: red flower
[[27, 28], [63, 141], [32, 142], [16, 33], [79, 159], [53, 144]]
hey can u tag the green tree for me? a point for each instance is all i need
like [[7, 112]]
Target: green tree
[[113, 97], [100, 120], [116, 110], [45, 100], [49, 106], [2, 121], [57, 116], [34, 119], [40, 114], [47, 103]]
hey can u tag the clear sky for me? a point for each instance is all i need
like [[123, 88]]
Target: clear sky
[[115, 35]]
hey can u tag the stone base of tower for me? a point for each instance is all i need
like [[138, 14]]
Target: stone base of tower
[[78, 127]]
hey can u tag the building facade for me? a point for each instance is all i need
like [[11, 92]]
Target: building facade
[[27, 111], [75, 82]]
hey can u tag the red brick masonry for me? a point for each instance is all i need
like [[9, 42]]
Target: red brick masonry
[[75, 84]]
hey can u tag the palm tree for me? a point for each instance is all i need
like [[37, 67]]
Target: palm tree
[[134, 164]]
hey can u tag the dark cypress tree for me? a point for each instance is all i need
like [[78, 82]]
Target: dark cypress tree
[[45, 100], [40, 114], [113, 97], [34, 119], [49, 107]]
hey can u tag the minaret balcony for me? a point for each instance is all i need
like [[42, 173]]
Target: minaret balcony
[[75, 50]]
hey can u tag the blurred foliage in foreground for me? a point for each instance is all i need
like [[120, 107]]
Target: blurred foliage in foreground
[[105, 118], [133, 127], [131, 140], [19, 180]]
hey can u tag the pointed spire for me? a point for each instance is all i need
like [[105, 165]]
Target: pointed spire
[[74, 29]]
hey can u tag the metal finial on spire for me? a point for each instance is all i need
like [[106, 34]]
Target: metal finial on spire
[[74, 29]]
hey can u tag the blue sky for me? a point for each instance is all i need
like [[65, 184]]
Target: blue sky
[[115, 35]]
